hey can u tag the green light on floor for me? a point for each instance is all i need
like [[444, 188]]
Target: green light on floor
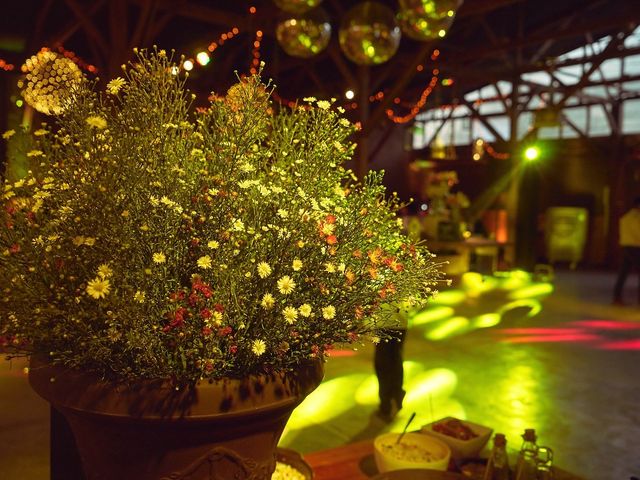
[[449, 328], [329, 400], [437, 383], [431, 314], [517, 279], [367, 391], [486, 320], [450, 297], [475, 284], [530, 306], [533, 290]]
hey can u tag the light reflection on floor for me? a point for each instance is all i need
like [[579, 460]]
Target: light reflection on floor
[[562, 362]]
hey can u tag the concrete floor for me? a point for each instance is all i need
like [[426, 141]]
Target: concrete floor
[[570, 372]]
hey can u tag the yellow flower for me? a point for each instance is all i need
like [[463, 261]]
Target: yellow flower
[[329, 312], [114, 86], [305, 310], [89, 241], [35, 153], [96, 122], [328, 228], [323, 104], [98, 288], [290, 314], [213, 244], [104, 271], [159, 257], [139, 296], [297, 264], [8, 134], [258, 347], [40, 132], [77, 241], [205, 262], [286, 285], [267, 301], [264, 270], [329, 267]]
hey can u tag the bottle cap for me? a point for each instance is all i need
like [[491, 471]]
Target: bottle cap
[[529, 435], [500, 440]]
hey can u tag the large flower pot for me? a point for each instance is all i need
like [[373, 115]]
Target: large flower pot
[[151, 430]]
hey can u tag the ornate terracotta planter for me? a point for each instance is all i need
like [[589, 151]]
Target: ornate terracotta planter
[[149, 430]]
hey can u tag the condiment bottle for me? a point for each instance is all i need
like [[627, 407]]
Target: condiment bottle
[[544, 469], [498, 464], [527, 458]]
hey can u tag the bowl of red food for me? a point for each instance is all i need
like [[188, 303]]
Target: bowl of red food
[[465, 439]]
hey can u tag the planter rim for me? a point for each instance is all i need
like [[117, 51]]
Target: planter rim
[[160, 399]]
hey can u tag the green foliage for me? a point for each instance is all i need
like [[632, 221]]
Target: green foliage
[[154, 242]]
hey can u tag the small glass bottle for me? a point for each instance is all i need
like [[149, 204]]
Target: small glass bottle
[[544, 469], [498, 463], [527, 458]]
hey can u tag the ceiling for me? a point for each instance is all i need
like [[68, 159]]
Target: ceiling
[[489, 40]]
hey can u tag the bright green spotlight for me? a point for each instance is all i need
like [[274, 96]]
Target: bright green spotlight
[[531, 154]]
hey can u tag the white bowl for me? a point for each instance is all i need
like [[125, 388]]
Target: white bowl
[[415, 450], [461, 448]]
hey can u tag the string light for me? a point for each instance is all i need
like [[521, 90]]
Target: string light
[[256, 52], [419, 104], [7, 67], [497, 155], [223, 38]]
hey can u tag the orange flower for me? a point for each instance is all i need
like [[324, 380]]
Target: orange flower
[[373, 272], [350, 276], [357, 254], [375, 255], [332, 240], [330, 219]]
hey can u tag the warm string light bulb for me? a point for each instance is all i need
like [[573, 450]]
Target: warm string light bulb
[[4, 65]]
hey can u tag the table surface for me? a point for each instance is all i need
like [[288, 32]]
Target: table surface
[[355, 462]]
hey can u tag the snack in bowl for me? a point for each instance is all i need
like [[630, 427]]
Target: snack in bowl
[[466, 439], [415, 450]]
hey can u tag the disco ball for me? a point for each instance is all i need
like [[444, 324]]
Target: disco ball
[[426, 20], [369, 34], [50, 79], [296, 6], [304, 35]]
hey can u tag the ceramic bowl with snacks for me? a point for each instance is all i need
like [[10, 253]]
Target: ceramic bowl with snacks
[[414, 451], [466, 439]]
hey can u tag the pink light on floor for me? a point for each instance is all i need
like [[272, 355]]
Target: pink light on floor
[[633, 344], [607, 324], [551, 338], [541, 331]]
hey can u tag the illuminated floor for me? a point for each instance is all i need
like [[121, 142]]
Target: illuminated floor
[[562, 362]]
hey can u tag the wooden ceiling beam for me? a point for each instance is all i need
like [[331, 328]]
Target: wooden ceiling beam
[[92, 31]]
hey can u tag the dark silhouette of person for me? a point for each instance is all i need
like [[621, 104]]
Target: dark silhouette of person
[[630, 242], [388, 360]]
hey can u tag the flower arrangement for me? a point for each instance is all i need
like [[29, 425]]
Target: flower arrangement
[[149, 240]]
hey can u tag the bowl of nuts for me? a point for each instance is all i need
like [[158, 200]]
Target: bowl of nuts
[[466, 439]]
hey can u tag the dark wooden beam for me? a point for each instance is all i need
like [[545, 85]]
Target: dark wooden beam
[[91, 30], [476, 114]]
